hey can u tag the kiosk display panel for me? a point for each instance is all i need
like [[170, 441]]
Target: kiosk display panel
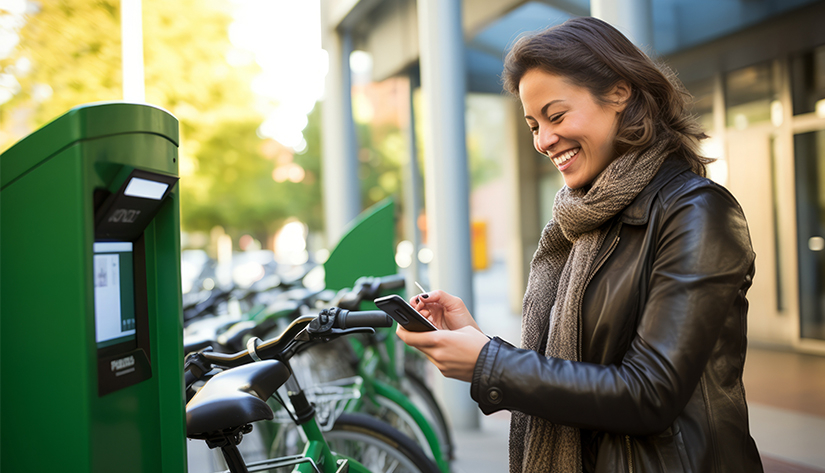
[[119, 272], [114, 293]]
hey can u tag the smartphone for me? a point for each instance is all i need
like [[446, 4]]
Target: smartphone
[[396, 307]]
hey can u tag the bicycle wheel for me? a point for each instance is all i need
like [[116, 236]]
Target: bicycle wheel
[[377, 446], [424, 400], [369, 441], [389, 412]]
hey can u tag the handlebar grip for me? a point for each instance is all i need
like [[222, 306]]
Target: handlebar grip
[[368, 318], [394, 281]]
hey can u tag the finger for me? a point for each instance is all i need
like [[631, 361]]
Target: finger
[[434, 296], [418, 340]]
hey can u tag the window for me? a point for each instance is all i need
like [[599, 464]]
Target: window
[[808, 82], [749, 95]]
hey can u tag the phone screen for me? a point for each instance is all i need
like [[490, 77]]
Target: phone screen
[[403, 313]]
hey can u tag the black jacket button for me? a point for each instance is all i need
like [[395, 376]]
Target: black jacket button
[[494, 395]]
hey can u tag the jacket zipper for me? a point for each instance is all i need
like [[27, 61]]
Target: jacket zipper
[[599, 264], [629, 454]]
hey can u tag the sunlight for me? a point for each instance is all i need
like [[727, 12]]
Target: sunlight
[[284, 38]]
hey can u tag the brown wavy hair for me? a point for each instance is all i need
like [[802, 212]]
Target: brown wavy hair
[[590, 53]]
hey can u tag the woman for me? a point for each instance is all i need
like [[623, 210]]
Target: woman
[[633, 332]]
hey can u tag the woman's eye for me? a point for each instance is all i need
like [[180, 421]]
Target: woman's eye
[[534, 129], [556, 118]]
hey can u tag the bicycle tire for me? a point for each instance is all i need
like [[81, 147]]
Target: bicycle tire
[[391, 413], [369, 441], [431, 406], [363, 429]]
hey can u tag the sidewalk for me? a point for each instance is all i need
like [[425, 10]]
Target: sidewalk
[[785, 391]]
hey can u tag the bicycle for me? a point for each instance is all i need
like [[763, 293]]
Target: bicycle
[[223, 409], [383, 385]]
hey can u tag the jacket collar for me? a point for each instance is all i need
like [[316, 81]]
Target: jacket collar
[[638, 212]]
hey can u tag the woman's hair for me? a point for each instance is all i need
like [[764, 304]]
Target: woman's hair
[[590, 53]]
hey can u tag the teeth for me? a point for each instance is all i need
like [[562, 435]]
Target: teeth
[[564, 157]]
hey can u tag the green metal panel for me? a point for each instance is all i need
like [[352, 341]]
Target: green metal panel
[[85, 123], [43, 376], [366, 249], [52, 416]]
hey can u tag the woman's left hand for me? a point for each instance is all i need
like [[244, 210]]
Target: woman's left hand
[[453, 352]]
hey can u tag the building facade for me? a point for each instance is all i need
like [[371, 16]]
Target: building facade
[[757, 71]]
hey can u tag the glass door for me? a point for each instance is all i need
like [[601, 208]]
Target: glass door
[[809, 150]]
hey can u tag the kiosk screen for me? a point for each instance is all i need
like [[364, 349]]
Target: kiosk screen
[[114, 293]]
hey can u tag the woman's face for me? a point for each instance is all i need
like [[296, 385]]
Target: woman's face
[[569, 126]]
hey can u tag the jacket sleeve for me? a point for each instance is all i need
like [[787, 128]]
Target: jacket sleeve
[[703, 262]]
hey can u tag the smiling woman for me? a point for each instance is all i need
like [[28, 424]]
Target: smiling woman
[[634, 322], [569, 126]]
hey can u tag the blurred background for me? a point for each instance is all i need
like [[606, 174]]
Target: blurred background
[[295, 116]]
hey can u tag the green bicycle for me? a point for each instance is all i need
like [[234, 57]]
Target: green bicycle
[[368, 374], [223, 409]]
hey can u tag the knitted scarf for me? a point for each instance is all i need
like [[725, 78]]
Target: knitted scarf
[[558, 277]]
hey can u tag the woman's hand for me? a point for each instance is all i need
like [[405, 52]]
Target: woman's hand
[[455, 346], [453, 352], [445, 311]]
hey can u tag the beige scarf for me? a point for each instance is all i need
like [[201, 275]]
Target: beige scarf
[[558, 277]]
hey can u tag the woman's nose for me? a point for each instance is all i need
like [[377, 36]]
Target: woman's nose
[[545, 140]]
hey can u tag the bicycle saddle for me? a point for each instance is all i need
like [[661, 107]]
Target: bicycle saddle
[[235, 397]]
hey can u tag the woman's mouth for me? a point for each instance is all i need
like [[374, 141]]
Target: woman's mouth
[[563, 160]]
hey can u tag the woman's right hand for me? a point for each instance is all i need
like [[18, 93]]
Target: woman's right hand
[[445, 311]]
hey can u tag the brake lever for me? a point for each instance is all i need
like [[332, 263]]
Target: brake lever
[[321, 328], [197, 364], [339, 332]]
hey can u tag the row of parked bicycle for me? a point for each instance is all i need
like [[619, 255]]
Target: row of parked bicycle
[[327, 385]]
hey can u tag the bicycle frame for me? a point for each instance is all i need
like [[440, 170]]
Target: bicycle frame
[[316, 456], [380, 358], [317, 447]]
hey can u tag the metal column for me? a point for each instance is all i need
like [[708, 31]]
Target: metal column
[[446, 182], [342, 190], [412, 182], [131, 21], [632, 17]]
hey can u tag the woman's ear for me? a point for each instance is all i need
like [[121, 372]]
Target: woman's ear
[[619, 96]]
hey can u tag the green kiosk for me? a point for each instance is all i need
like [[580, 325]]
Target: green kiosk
[[90, 301]]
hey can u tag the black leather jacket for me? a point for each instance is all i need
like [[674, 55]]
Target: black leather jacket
[[663, 340]]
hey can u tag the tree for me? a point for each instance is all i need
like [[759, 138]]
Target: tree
[[70, 54]]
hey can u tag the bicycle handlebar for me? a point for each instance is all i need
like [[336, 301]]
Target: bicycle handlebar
[[266, 350], [330, 323], [384, 283], [368, 318], [368, 288]]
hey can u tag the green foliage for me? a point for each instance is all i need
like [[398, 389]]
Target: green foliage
[[309, 198], [68, 54], [74, 49], [382, 151]]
